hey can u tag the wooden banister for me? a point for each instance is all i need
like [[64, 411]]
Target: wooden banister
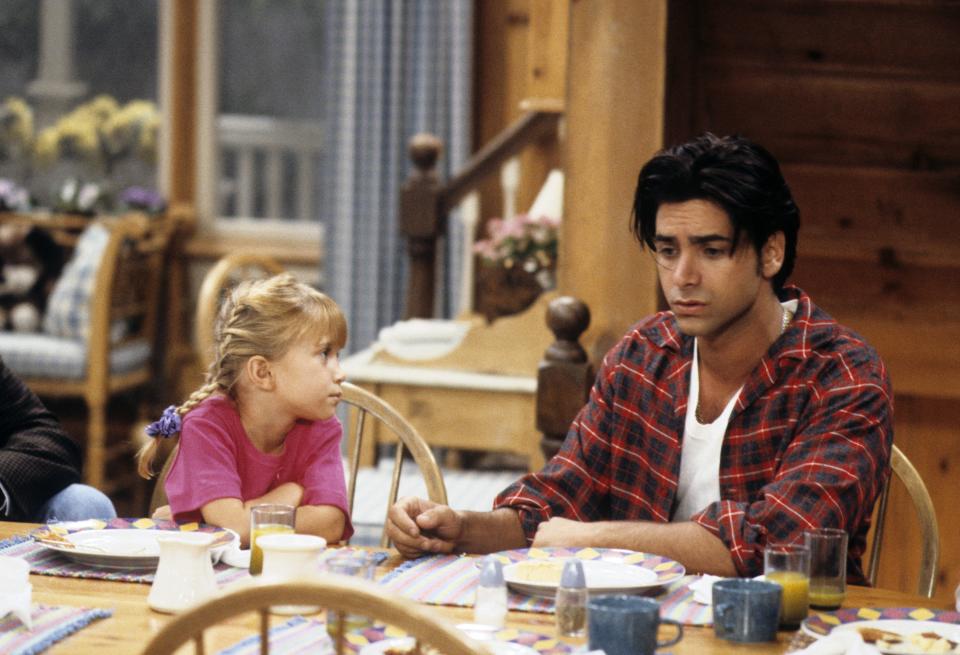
[[565, 374], [425, 201]]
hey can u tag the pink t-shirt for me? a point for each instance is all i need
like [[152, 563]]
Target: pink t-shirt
[[217, 460]]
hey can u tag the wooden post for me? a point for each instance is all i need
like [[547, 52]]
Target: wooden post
[[565, 374], [421, 223]]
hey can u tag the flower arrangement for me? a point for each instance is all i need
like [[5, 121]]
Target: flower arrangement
[[101, 132], [16, 128], [522, 240]]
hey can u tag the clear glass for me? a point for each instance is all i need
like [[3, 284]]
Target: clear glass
[[789, 566], [268, 519], [828, 567], [356, 564]]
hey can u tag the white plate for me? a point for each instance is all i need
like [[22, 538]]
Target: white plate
[[904, 628], [406, 643], [602, 577], [120, 548]]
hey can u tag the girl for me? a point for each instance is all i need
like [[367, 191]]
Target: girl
[[262, 428]]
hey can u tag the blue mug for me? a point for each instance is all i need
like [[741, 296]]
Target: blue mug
[[626, 625], [746, 610]]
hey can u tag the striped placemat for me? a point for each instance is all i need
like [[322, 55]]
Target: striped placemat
[[51, 623], [452, 580]]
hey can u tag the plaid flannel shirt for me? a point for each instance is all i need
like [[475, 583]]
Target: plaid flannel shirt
[[808, 443]]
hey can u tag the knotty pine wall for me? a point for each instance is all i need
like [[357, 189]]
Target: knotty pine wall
[[860, 102]]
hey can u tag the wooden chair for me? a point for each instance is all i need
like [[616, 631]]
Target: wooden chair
[[365, 404], [904, 470], [126, 294], [339, 595], [226, 273]]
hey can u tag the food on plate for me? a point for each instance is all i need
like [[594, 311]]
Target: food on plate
[[914, 642], [546, 571]]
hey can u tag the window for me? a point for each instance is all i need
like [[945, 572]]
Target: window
[[260, 110], [78, 83]]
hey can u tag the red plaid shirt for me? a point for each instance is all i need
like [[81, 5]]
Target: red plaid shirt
[[808, 443]]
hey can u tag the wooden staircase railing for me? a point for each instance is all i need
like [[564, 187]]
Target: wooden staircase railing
[[425, 200]]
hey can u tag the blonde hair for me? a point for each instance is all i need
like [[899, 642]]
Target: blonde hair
[[258, 317]]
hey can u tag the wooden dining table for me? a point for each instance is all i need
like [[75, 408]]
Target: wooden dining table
[[133, 623]]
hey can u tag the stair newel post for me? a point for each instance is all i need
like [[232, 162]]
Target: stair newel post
[[422, 223], [565, 374]]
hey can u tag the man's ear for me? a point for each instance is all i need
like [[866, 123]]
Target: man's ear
[[771, 255], [260, 373]]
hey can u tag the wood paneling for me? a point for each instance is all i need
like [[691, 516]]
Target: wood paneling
[[858, 101]]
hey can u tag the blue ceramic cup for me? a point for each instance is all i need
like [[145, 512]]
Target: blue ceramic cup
[[746, 610], [626, 625]]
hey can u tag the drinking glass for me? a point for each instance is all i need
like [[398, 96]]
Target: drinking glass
[[828, 567], [267, 519], [356, 564], [789, 566]]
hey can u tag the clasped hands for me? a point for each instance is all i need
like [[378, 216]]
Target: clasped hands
[[418, 526]]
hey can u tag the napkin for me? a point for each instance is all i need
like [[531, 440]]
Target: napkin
[[17, 602], [702, 589], [840, 642]]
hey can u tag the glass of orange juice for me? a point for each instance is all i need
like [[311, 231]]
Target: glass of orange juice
[[267, 519], [789, 566]]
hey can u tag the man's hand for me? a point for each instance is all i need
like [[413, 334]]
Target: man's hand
[[419, 526], [162, 513], [564, 533]]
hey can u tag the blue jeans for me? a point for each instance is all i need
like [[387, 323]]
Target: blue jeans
[[76, 503]]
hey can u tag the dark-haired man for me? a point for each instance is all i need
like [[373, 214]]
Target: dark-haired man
[[743, 416]]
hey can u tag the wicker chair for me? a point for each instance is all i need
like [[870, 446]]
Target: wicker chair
[[105, 343]]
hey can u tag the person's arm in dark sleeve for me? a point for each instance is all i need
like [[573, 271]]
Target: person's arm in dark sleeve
[[37, 458]]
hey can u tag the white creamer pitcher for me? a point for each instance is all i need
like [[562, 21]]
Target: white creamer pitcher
[[291, 557], [185, 573]]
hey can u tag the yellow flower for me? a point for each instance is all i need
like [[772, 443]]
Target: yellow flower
[[46, 149], [16, 122]]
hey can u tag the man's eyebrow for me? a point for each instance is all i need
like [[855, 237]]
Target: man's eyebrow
[[709, 238], [697, 240]]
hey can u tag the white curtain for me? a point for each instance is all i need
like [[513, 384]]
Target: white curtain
[[396, 67]]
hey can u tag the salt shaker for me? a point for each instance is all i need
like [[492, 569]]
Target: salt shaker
[[490, 607], [571, 602]]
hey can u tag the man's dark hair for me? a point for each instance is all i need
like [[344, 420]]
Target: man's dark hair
[[739, 176]]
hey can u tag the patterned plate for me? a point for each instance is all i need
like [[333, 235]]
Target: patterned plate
[[121, 543], [899, 620], [603, 568]]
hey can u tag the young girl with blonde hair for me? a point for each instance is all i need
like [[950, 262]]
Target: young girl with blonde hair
[[262, 429]]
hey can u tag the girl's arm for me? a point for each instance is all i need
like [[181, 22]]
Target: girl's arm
[[324, 521], [234, 514]]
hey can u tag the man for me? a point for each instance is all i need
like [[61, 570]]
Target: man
[[741, 417], [39, 463]]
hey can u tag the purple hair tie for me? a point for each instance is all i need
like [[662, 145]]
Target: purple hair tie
[[167, 426]]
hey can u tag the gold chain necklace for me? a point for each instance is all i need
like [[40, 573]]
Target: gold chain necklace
[[787, 315]]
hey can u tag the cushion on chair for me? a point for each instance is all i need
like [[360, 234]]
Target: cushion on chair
[[68, 308], [43, 356]]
